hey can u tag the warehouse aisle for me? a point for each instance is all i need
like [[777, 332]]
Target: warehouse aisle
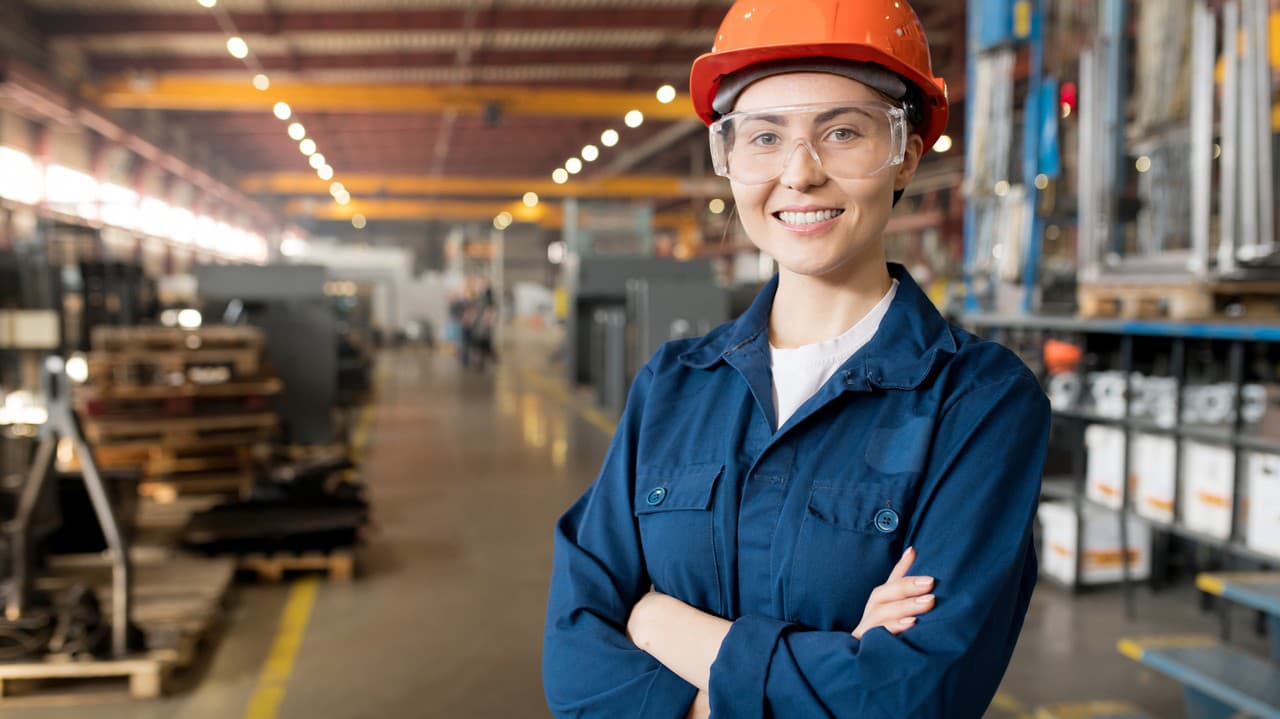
[[467, 474]]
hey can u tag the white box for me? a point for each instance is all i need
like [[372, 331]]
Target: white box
[[1101, 560], [1104, 471], [1153, 476], [29, 329], [1208, 488], [1262, 525]]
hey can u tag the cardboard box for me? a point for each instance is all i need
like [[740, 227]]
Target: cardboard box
[[1153, 476], [1208, 488], [1101, 559], [1262, 524], [1104, 470], [29, 329]]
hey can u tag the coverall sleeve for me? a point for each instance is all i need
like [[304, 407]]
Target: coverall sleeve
[[972, 531], [589, 666]]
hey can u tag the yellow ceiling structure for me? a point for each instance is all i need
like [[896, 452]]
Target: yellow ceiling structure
[[178, 92], [620, 187]]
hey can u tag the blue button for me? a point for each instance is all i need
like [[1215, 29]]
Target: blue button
[[656, 496], [886, 521]]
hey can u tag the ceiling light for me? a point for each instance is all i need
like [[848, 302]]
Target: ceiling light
[[1143, 164], [573, 165], [282, 110], [1042, 182], [634, 119], [560, 176], [343, 199], [358, 221], [207, 3], [943, 144], [317, 160], [337, 188], [261, 82], [325, 173], [530, 199], [666, 94], [716, 206], [238, 48], [1002, 188], [297, 131], [590, 153], [609, 138], [308, 146]]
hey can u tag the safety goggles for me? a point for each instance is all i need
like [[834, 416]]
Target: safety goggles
[[849, 140]]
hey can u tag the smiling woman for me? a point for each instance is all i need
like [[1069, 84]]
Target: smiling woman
[[745, 550]]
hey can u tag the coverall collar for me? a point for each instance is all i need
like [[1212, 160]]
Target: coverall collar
[[912, 341]]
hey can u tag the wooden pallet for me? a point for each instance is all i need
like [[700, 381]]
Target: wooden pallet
[[1180, 301], [166, 491], [145, 676], [132, 401], [339, 564], [180, 431], [152, 367], [178, 603], [115, 339]]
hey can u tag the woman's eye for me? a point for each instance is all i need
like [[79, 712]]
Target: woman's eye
[[767, 139], [842, 134]]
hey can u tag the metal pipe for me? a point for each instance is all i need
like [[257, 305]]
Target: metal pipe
[[1230, 131], [20, 527], [1248, 159], [1203, 29], [1086, 161], [120, 570], [1262, 98]]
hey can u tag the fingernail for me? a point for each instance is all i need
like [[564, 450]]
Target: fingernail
[[907, 622], [924, 581], [926, 599], [910, 550]]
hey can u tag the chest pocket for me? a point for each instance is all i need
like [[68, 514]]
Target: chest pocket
[[849, 540], [673, 508]]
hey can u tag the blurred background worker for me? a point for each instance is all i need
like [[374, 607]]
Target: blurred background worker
[[234, 232]]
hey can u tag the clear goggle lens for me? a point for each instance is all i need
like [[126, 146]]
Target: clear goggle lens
[[849, 140]]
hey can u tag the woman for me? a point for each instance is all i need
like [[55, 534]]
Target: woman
[[743, 550]]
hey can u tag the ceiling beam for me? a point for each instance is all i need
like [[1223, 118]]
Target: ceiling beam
[[276, 23], [109, 64], [546, 214], [625, 186], [213, 95]]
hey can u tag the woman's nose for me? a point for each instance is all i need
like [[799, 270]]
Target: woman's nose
[[802, 170]]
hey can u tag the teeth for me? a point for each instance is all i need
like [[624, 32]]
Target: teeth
[[808, 218]]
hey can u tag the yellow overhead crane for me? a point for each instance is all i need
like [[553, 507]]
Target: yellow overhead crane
[[620, 187], [547, 215], [181, 92]]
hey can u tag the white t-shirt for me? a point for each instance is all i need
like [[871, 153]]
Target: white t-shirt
[[800, 372]]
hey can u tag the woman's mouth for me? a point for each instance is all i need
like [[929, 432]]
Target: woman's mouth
[[810, 220]]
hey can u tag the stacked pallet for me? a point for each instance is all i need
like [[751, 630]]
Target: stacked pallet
[[178, 605], [189, 408]]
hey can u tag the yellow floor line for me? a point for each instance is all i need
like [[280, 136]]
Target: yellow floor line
[[266, 699], [1010, 705]]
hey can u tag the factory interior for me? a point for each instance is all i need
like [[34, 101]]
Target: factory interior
[[319, 317]]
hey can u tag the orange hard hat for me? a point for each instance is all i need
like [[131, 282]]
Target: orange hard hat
[[883, 32]]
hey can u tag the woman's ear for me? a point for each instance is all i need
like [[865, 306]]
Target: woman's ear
[[910, 162]]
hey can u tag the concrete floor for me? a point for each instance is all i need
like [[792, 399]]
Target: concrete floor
[[467, 475]]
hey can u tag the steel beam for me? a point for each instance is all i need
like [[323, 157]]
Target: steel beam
[[546, 214], [214, 95], [624, 186]]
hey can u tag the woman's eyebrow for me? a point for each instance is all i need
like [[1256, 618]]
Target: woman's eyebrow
[[831, 114]]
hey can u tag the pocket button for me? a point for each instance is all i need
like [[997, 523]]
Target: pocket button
[[886, 521], [656, 496]]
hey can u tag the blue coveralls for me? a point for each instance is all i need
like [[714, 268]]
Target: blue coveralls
[[927, 437]]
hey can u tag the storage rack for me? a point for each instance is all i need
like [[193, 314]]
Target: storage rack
[[1240, 339]]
